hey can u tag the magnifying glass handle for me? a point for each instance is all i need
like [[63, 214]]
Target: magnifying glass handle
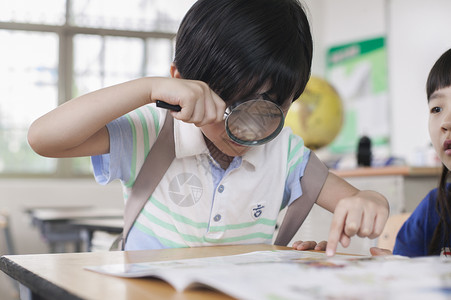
[[165, 105]]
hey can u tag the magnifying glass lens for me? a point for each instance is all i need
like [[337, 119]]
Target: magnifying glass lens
[[254, 122], [251, 123]]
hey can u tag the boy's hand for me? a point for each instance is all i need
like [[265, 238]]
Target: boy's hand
[[310, 245], [200, 105], [363, 214]]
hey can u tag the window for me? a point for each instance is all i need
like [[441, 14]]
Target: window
[[29, 88], [55, 50]]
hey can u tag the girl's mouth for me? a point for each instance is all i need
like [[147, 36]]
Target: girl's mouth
[[447, 146]]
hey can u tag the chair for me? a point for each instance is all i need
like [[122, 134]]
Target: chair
[[388, 237]]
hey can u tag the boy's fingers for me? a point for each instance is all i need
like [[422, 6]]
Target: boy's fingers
[[321, 246], [336, 230], [353, 222], [220, 107], [308, 245], [367, 225], [200, 105], [345, 240], [379, 224], [198, 117], [295, 244], [214, 109]]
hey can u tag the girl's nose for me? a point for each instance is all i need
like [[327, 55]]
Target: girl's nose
[[446, 122]]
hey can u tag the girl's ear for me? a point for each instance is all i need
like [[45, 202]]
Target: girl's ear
[[174, 72]]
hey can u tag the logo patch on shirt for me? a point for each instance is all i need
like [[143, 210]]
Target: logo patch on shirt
[[257, 211], [185, 189]]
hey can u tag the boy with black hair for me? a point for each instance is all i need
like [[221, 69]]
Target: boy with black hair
[[216, 191]]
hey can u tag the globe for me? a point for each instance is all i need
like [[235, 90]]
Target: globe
[[317, 115]]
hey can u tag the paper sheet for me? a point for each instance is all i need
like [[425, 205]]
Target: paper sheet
[[290, 274]]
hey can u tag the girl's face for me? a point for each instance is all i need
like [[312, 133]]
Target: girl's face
[[440, 124]]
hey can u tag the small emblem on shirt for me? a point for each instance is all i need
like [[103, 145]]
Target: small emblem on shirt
[[257, 211], [185, 189]]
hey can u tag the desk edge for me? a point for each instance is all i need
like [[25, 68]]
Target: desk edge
[[35, 283]]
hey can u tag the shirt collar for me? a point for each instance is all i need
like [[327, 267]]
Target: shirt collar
[[189, 141]]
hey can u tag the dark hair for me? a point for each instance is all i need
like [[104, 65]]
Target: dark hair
[[238, 46], [440, 74], [440, 77]]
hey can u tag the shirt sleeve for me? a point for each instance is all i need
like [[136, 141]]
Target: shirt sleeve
[[312, 181], [117, 163], [296, 167], [293, 186], [300, 158], [131, 137]]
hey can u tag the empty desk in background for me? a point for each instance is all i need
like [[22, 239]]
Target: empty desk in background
[[88, 226], [55, 225]]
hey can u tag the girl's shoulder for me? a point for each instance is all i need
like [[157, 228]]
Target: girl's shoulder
[[431, 198], [426, 211]]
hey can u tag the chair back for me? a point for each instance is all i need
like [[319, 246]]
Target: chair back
[[388, 237]]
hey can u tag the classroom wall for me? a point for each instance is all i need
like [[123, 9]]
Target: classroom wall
[[417, 34]]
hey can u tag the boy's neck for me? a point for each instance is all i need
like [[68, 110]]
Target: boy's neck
[[222, 159]]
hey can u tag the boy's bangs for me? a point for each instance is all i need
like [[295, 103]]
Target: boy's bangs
[[272, 79]]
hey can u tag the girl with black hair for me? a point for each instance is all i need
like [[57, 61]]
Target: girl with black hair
[[428, 230]]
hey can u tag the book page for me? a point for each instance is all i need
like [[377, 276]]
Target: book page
[[291, 274]]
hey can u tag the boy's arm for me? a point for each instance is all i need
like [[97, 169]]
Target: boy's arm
[[77, 128], [362, 213]]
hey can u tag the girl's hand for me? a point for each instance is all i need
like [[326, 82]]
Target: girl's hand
[[376, 251], [199, 104], [363, 214], [310, 245]]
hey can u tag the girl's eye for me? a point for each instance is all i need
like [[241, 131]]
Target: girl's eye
[[436, 109]]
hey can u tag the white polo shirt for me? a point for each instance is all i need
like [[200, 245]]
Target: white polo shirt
[[197, 203]]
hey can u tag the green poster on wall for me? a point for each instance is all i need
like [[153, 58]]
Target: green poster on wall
[[358, 71]]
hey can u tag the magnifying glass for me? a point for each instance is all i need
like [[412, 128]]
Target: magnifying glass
[[248, 123]]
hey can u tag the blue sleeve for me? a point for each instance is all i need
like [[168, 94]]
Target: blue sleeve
[[415, 234], [293, 189], [117, 163]]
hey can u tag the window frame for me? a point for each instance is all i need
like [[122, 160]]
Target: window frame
[[66, 33]]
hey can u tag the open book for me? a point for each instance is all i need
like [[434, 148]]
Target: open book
[[290, 274]]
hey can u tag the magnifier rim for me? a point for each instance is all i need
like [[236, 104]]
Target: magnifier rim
[[260, 141]]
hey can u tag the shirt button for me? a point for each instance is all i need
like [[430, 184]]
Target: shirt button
[[221, 188], [217, 218]]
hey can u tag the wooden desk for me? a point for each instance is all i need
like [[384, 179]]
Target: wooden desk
[[55, 227], [61, 276]]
